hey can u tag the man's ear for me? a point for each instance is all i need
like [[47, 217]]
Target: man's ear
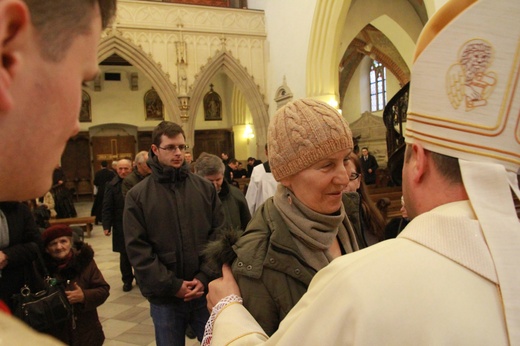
[[154, 149], [14, 25], [419, 162]]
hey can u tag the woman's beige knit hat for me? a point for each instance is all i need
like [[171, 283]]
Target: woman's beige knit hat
[[302, 133]]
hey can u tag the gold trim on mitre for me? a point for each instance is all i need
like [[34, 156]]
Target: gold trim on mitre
[[465, 82], [465, 102]]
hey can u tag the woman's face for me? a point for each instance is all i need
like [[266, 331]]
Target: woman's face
[[59, 248], [353, 185], [320, 186]]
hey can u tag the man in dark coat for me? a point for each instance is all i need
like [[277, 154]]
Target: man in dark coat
[[169, 219], [369, 165], [113, 205], [63, 202], [19, 235], [101, 178], [141, 170], [234, 203]]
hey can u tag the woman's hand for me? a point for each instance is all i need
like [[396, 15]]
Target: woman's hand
[[75, 295], [222, 287]]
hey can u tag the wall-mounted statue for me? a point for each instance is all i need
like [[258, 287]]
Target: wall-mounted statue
[[212, 105], [85, 114], [153, 105]]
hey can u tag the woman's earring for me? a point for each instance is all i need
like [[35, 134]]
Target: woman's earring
[[288, 196]]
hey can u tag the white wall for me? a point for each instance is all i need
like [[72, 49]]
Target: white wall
[[288, 25], [116, 102]]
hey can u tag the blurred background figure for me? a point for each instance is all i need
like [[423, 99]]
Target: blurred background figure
[[369, 164], [63, 201], [371, 221], [234, 203], [113, 206], [19, 234], [140, 171], [262, 184], [101, 178]]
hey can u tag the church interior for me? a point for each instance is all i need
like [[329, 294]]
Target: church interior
[[221, 68]]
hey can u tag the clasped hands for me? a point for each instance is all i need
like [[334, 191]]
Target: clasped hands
[[190, 290]]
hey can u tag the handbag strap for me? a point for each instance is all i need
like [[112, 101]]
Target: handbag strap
[[42, 263]]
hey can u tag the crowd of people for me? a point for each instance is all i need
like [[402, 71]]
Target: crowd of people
[[300, 258]]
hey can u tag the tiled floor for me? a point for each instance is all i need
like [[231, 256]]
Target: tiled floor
[[125, 315]]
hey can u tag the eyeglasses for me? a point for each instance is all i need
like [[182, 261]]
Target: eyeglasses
[[354, 176], [173, 148]]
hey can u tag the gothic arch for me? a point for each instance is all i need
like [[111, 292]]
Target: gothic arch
[[329, 22], [373, 43], [144, 62], [225, 62]]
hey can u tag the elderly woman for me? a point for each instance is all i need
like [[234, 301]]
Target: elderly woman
[[86, 289], [303, 227]]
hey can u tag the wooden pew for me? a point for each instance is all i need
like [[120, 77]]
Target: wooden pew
[[393, 194], [388, 200], [243, 183], [85, 222]]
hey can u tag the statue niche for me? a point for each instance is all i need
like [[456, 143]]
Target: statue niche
[[212, 105]]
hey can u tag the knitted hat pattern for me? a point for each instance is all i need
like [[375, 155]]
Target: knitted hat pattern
[[56, 231], [304, 132]]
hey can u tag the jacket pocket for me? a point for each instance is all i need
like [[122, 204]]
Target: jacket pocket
[[169, 259]]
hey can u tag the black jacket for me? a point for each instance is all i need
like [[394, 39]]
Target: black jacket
[[235, 207], [370, 163], [24, 235], [113, 205], [169, 218]]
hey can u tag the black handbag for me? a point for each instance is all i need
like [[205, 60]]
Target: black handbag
[[44, 310]]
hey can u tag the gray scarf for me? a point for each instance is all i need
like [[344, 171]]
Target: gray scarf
[[313, 232]]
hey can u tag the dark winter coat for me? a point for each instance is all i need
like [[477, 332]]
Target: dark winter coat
[[24, 236], [82, 269], [113, 206], [101, 178], [370, 163], [169, 218], [351, 201], [235, 207], [267, 265], [269, 269], [130, 181]]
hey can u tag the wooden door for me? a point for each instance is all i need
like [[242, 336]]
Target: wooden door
[[144, 140], [75, 162], [214, 142], [112, 148]]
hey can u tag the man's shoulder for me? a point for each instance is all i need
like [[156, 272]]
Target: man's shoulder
[[114, 181], [198, 180], [131, 177], [140, 186], [236, 193]]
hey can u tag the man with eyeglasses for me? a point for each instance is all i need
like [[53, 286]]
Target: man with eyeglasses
[[168, 220]]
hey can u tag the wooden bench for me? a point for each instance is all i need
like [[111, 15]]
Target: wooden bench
[[388, 200], [393, 196], [243, 183], [86, 222]]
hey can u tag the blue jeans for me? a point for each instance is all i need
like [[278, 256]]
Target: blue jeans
[[170, 320]]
